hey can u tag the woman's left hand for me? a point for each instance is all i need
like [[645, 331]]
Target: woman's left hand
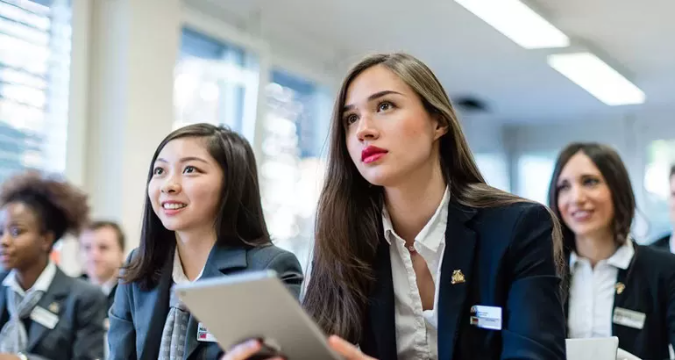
[[9, 357], [344, 348]]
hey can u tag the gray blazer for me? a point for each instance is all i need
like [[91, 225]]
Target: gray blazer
[[79, 334], [137, 316]]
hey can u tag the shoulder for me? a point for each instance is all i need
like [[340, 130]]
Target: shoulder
[[512, 218], [83, 289], [651, 259], [662, 243], [263, 256]]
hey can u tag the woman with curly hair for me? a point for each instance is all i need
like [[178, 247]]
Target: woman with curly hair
[[44, 314]]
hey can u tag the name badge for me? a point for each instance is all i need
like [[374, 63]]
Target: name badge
[[629, 318], [486, 317], [44, 317], [204, 335]]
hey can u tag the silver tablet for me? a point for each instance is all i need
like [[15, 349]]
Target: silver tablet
[[592, 348], [250, 305]]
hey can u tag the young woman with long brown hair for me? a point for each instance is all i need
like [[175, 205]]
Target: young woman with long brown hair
[[415, 256]]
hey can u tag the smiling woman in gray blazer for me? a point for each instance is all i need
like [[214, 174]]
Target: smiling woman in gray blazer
[[44, 314], [203, 218]]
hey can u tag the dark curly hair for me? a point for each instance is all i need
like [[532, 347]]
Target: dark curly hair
[[60, 207]]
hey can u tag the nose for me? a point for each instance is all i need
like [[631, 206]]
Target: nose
[[170, 186], [577, 195], [366, 128]]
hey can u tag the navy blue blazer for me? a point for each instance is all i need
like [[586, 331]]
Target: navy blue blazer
[[79, 333], [662, 243], [649, 288], [506, 257], [137, 317]]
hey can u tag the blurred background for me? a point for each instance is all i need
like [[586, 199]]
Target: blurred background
[[88, 88]]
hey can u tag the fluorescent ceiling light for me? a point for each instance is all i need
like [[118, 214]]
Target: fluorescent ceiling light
[[598, 78], [517, 22]]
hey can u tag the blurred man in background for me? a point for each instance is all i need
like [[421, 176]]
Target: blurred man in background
[[668, 242], [102, 249]]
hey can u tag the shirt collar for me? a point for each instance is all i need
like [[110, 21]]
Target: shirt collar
[[178, 274], [432, 233], [621, 258], [41, 284], [107, 286]]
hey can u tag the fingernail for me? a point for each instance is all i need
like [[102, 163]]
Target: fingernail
[[252, 343]]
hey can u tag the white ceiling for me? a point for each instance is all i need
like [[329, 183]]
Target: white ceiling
[[469, 56]]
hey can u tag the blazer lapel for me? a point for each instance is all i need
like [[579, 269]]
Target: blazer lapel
[[152, 308], [52, 300], [455, 281], [382, 324], [222, 260]]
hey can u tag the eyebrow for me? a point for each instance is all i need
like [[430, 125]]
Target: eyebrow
[[372, 97], [185, 159]]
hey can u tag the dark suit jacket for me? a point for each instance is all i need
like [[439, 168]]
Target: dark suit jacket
[[111, 294], [650, 289], [662, 243], [506, 257], [137, 317], [79, 334]]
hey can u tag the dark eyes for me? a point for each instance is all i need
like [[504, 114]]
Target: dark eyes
[[13, 231], [188, 170], [382, 106]]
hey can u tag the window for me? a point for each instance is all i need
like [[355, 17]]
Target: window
[[295, 131], [494, 168], [215, 83], [660, 157], [534, 175], [35, 44]]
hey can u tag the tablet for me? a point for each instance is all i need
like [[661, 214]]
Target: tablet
[[250, 305], [592, 348]]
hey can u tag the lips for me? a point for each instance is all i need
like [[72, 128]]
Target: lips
[[581, 215], [372, 153], [173, 207]]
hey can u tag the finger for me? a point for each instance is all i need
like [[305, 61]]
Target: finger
[[243, 351], [346, 349]]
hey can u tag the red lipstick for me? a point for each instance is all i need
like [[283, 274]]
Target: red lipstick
[[372, 153]]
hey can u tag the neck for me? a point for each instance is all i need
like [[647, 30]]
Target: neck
[[596, 247], [194, 248], [412, 204], [102, 280], [27, 277]]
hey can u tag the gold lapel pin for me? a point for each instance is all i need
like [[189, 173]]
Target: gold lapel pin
[[457, 277], [54, 307], [620, 287]]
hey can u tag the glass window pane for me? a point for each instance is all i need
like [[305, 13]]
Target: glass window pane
[[534, 174], [292, 166], [35, 42], [213, 81], [660, 157]]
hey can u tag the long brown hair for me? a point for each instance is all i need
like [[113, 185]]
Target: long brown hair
[[239, 221], [608, 161], [349, 211]]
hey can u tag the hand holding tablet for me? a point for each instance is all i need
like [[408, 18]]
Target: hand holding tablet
[[257, 305]]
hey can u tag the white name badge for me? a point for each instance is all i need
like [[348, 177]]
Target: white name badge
[[486, 317], [44, 317], [204, 335], [629, 318]]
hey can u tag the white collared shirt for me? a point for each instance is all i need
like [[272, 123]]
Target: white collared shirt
[[591, 298], [178, 273], [107, 286], [417, 329], [43, 282]]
